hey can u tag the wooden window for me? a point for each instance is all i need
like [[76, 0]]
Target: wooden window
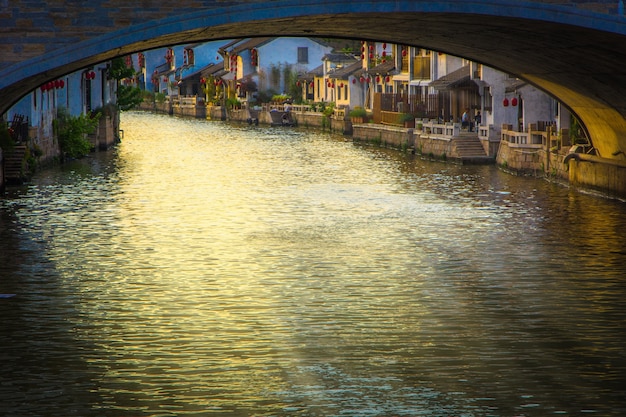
[[303, 55]]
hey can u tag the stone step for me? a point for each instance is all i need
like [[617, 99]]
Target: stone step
[[13, 161], [468, 145]]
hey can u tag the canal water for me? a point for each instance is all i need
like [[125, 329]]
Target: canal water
[[207, 269]]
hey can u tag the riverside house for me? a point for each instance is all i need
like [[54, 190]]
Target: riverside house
[[268, 66], [32, 119], [398, 85]]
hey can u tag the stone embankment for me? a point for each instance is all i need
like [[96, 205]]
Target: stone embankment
[[535, 153], [435, 141]]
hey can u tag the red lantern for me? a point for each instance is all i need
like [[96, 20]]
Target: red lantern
[[387, 79], [377, 78], [505, 102], [404, 52], [514, 101], [384, 46], [341, 85], [371, 56], [371, 47], [384, 53], [354, 81], [311, 84], [362, 79]]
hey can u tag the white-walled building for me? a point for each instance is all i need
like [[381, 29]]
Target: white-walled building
[[270, 63], [80, 92]]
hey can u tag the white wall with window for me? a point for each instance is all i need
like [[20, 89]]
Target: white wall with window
[[288, 54]]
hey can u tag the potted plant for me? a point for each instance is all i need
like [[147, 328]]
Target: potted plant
[[358, 115]]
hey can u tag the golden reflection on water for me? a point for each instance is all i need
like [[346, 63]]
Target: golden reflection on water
[[215, 270]]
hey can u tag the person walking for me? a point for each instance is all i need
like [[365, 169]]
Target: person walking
[[477, 120], [465, 123]]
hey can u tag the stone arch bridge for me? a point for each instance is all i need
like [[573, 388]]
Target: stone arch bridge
[[573, 49]]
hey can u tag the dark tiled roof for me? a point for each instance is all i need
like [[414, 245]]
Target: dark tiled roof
[[383, 68], [216, 70], [345, 72], [513, 85], [338, 57], [229, 45], [315, 72], [250, 44], [163, 69], [456, 79]]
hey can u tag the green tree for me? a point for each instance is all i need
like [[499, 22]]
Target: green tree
[[119, 70], [128, 97], [291, 86]]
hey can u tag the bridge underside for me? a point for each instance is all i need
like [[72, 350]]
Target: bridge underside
[[583, 68]]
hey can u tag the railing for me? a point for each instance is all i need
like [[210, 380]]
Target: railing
[[298, 108], [412, 103], [446, 130], [18, 128], [186, 101], [511, 136], [538, 135], [339, 113], [390, 117]]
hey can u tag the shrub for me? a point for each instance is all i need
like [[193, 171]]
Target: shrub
[[329, 109], [279, 98], [358, 111], [233, 103], [72, 132], [405, 117], [6, 141]]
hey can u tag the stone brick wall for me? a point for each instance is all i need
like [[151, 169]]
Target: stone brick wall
[[386, 136], [605, 178]]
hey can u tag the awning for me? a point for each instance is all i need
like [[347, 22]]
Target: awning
[[456, 79]]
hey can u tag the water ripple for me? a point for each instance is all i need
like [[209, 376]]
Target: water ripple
[[207, 269]]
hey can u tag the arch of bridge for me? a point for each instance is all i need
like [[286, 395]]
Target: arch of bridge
[[574, 50]]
